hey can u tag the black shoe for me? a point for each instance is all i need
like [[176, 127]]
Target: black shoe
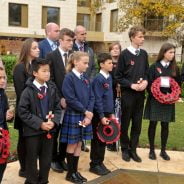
[[64, 165], [152, 155], [81, 177], [84, 148], [164, 155], [135, 157], [98, 169], [22, 173], [125, 155], [73, 178], [105, 168], [57, 167]]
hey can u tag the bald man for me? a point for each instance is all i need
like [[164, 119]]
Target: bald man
[[50, 43]]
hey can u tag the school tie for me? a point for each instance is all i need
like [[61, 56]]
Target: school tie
[[42, 89], [137, 52], [166, 65], [81, 48], [65, 59], [82, 77]]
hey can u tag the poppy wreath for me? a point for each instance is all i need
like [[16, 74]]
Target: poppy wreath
[[168, 98], [4, 145]]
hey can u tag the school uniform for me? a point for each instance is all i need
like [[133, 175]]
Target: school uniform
[[34, 105], [132, 65], [104, 107]]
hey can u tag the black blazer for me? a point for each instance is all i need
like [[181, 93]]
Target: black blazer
[[57, 69]]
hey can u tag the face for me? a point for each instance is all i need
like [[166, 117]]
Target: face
[[115, 52], [81, 35], [66, 43], [169, 55], [34, 51], [43, 74], [82, 64], [2, 79], [107, 66], [53, 33], [138, 40]]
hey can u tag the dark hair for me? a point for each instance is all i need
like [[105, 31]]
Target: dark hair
[[134, 30], [113, 44], [67, 32], [165, 47], [103, 57], [36, 63]]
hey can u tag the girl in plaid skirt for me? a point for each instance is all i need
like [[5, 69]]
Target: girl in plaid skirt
[[165, 65], [76, 125]]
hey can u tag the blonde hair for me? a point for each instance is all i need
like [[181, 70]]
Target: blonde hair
[[76, 56]]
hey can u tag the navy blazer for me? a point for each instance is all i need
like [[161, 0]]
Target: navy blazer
[[45, 48]]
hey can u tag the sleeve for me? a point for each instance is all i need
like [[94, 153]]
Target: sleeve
[[93, 66], [27, 117], [98, 93], [119, 73], [50, 60], [91, 100], [41, 55], [151, 77], [146, 68], [178, 77], [69, 94]]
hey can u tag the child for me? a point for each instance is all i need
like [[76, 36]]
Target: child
[[131, 74], [37, 100], [103, 108], [165, 65], [79, 97], [5, 115]]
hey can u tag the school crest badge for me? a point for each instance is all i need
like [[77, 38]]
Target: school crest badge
[[132, 62]]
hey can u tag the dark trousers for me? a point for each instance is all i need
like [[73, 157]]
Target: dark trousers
[[21, 150], [38, 147], [164, 134], [97, 147], [132, 103], [58, 154], [2, 169]]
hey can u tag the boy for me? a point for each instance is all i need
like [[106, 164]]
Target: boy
[[131, 74], [5, 115], [37, 101], [103, 108]]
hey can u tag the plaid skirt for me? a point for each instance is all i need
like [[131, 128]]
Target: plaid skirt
[[71, 132], [155, 111]]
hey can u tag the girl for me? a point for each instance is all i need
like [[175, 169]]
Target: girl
[[115, 50], [76, 125], [165, 65], [22, 71]]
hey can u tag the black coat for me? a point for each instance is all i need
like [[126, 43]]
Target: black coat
[[30, 112]]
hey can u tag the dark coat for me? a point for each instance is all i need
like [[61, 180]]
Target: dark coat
[[91, 70], [30, 111], [44, 47]]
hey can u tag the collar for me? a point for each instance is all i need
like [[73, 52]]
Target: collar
[[50, 41], [164, 64], [62, 51], [104, 74], [38, 85], [132, 49], [78, 74], [79, 44]]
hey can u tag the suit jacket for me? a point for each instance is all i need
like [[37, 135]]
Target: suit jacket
[[57, 69], [44, 47]]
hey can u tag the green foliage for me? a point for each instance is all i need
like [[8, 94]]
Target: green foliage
[[9, 62]]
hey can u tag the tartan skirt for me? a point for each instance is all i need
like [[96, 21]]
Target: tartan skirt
[[71, 131], [156, 111]]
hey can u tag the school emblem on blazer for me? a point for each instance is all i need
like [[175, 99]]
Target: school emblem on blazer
[[159, 70], [132, 62]]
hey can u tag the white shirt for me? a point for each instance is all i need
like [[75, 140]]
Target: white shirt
[[52, 44], [79, 45], [78, 74], [132, 49], [38, 85], [104, 74], [165, 64], [62, 54]]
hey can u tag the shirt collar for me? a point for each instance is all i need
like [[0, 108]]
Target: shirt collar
[[50, 42], [104, 74], [38, 85], [79, 44], [132, 49], [164, 64], [62, 51], [76, 73]]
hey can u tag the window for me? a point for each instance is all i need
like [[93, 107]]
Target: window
[[98, 23], [50, 14], [114, 21], [84, 20], [18, 15], [84, 3]]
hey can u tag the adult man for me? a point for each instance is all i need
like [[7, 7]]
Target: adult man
[[58, 59], [50, 43], [131, 74]]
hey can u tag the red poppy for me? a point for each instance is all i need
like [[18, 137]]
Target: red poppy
[[132, 62], [106, 85], [40, 96], [159, 70], [86, 81]]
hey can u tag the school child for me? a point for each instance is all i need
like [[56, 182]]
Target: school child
[[39, 109], [165, 66], [5, 115], [103, 109], [76, 124], [131, 74]]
